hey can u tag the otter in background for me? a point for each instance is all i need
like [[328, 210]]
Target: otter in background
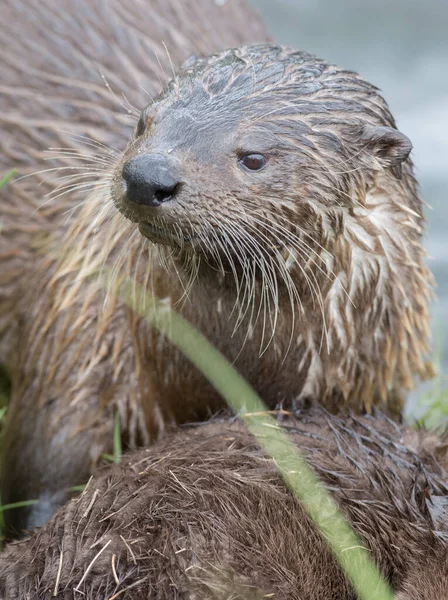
[[72, 73], [204, 514], [283, 220]]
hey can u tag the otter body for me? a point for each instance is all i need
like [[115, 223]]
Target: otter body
[[283, 219], [204, 514]]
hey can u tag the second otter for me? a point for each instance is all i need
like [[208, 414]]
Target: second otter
[[204, 514], [287, 227]]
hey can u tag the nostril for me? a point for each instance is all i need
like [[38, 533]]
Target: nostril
[[166, 193]]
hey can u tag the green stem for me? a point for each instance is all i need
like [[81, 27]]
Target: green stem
[[7, 177]]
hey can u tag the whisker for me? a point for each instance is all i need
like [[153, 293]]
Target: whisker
[[170, 61]]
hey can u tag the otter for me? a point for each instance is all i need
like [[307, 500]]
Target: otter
[[283, 220], [203, 513]]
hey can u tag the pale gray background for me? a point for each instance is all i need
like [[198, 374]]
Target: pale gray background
[[402, 47]]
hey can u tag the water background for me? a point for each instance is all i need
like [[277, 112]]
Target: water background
[[402, 47]]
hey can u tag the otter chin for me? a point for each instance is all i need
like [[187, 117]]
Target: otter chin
[[162, 235]]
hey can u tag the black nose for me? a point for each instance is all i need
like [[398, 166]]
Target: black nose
[[150, 179]]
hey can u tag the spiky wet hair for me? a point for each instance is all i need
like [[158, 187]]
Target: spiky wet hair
[[300, 92]]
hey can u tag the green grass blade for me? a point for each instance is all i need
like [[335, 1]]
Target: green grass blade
[[7, 177], [77, 488], [21, 504], [117, 439]]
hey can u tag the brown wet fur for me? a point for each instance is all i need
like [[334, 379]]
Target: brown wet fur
[[204, 514], [323, 301], [57, 61]]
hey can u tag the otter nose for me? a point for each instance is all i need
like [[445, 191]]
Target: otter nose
[[150, 179]]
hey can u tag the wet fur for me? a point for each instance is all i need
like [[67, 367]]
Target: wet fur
[[72, 75], [204, 514], [327, 300]]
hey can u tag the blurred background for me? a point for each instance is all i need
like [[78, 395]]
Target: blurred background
[[402, 47]]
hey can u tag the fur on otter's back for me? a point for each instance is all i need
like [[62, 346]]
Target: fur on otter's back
[[309, 275], [204, 514]]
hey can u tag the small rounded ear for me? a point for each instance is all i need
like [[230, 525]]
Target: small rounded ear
[[389, 145]]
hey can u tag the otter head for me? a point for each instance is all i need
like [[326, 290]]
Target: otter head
[[289, 174], [251, 141]]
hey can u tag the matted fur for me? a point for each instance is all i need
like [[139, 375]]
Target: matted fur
[[73, 75], [204, 514], [311, 277]]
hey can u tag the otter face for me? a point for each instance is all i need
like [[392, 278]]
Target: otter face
[[193, 166], [254, 149]]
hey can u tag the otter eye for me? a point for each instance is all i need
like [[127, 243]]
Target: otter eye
[[253, 162], [141, 126]]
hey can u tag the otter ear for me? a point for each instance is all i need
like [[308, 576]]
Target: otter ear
[[389, 145]]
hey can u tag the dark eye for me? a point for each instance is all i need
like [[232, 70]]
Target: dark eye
[[253, 162]]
